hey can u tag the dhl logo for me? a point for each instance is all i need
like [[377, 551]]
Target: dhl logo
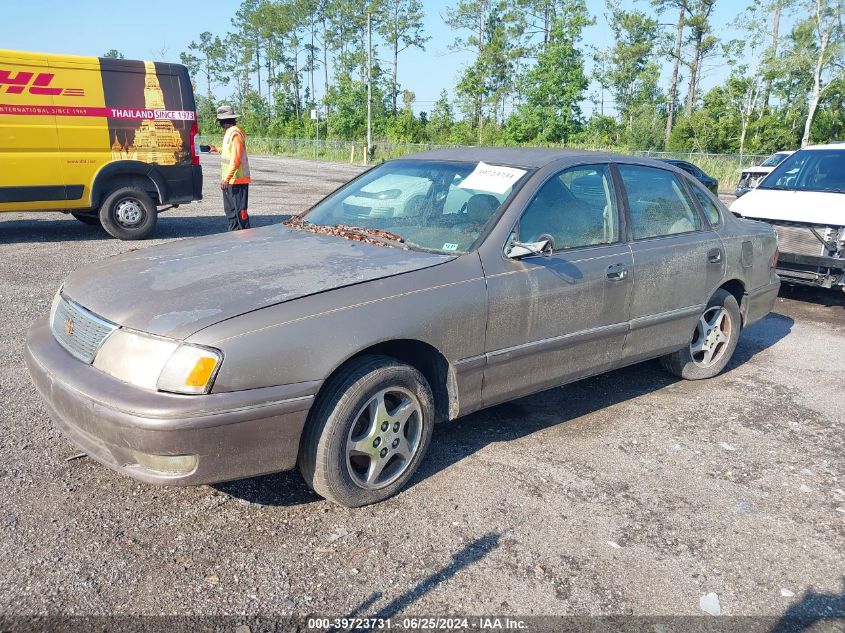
[[34, 84]]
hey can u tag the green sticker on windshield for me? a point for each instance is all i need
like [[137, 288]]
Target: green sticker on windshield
[[450, 247]]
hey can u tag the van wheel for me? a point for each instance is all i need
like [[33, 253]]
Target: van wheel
[[91, 219], [128, 214], [368, 432], [712, 342]]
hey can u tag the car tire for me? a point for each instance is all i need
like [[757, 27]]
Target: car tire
[[712, 343], [368, 432], [91, 219], [128, 214]]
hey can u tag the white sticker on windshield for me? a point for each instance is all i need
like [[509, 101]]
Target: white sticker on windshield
[[450, 247], [492, 178]]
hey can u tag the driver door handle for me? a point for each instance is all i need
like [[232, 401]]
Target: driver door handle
[[617, 272]]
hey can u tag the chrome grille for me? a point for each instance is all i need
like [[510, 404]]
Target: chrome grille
[[79, 331], [799, 240]]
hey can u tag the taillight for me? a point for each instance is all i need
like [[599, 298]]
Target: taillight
[[195, 158], [775, 257]]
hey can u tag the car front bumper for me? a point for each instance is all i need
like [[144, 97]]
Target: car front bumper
[[227, 435]]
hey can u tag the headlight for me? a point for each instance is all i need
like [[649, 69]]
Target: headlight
[[158, 363]]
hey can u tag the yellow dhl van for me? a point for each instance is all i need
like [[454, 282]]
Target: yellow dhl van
[[108, 140]]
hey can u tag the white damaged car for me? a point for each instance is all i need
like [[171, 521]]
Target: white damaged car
[[753, 176], [804, 199]]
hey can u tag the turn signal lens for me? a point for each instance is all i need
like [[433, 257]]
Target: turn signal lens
[[190, 370], [201, 372]]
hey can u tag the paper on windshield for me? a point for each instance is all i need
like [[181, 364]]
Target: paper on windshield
[[492, 178]]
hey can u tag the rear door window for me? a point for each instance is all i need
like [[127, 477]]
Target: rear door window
[[658, 203]]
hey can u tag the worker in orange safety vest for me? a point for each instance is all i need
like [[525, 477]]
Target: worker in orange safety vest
[[234, 170]]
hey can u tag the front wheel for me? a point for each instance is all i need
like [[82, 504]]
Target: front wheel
[[712, 343], [368, 432], [128, 214]]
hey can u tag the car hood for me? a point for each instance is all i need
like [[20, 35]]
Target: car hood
[[184, 286], [824, 208]]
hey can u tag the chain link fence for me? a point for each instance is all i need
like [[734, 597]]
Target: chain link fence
[[726, 168]]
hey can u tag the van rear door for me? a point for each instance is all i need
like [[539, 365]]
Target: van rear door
[[31, 174]]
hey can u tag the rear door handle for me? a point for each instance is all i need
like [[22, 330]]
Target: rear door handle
[[714, 256], [617, 272]]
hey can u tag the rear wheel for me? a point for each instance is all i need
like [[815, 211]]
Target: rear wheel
[[128, 214], [712, 343], [368, 432], [91, 219]]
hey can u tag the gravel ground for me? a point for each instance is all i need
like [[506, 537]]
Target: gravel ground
[[627, 493]]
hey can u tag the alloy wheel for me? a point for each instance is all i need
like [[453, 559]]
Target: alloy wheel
[[384, 438], [712, 335]]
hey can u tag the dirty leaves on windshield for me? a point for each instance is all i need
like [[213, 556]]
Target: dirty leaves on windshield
[[356, 233]]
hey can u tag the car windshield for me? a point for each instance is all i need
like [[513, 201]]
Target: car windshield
[[440, 206], [774, 160], [809, 170]]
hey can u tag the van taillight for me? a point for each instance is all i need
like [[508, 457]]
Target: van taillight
[[775, 257], [195, 158]]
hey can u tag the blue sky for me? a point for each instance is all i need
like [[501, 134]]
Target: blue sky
[[148, 29]]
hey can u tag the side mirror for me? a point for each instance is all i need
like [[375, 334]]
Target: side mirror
[[517, 250]]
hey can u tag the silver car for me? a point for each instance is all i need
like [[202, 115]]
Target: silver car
[[335, 342]]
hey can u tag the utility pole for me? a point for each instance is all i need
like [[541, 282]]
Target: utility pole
[[369, 86], [315, 116]]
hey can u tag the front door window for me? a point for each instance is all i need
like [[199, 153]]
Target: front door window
[[575, 208]]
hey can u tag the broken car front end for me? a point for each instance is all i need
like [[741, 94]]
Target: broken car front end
[[811, 254]]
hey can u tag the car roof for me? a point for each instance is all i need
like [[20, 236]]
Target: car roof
[[533, 157], [529, 157], [827, 146]]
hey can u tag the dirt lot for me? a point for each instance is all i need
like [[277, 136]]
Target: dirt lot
[[627, 493]]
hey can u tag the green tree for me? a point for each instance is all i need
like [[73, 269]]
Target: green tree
[[113, 54], [600, 131], [206, 57], [744, 85], [703, 44], [442, 119], [495, 37], [404, 127], [402, 28], [631, 70], [825, 53], [557, 83], [770, 67], [681, 7]]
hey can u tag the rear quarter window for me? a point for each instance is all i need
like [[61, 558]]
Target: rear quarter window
[[711, 210]]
